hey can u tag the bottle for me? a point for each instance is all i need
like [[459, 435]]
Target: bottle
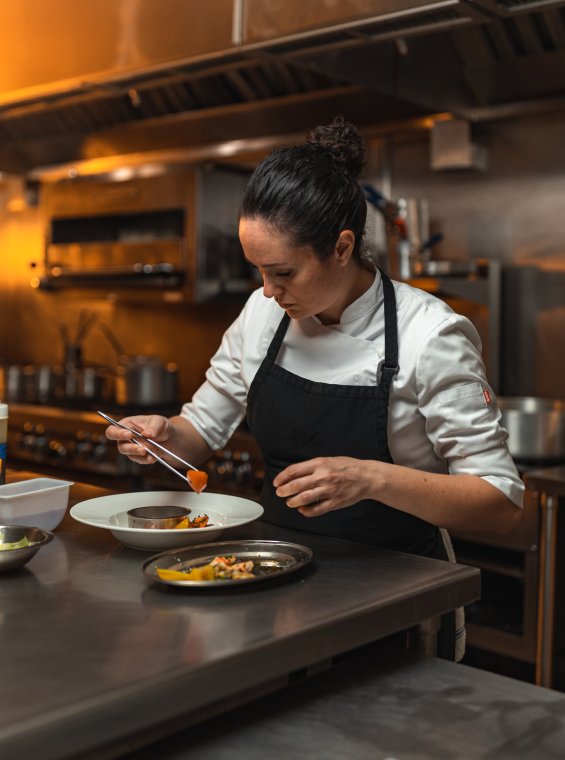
[[3, 441]]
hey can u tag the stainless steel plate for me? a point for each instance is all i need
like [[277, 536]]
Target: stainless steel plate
[[272, 559]]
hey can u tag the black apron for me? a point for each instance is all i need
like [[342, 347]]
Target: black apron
[[295, 419]]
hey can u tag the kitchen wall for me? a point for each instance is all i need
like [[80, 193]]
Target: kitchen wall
[[512, 211]]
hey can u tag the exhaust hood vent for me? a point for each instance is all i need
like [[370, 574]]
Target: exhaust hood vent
[[113, 105], [512, 7], [403, 26], [502, 66], [477, 59]]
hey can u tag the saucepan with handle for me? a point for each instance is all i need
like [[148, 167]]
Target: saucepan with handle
[[141, 380]]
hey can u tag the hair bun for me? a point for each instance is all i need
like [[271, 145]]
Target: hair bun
[[344, 142]]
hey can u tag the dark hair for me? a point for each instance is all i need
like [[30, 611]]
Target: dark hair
[[311, 192]]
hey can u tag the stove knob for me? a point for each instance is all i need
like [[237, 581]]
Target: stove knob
[[242, 473], [33, 436], [83, 444], [28, 440], [100, 447], [100, 453], [57, 449], [41, 438], [83, 449]]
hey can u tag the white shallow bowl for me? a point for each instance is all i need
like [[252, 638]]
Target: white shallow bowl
[[41, 502], [110, 513]]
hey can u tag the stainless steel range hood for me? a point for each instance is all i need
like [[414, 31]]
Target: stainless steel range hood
[[246, 69]]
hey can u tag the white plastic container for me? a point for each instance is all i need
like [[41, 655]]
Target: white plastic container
[[41, 502], [3, 441]]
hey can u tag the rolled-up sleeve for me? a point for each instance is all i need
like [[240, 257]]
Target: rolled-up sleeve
[[459, 407]]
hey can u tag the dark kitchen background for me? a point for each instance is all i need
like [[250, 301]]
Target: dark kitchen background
[[122, 161]]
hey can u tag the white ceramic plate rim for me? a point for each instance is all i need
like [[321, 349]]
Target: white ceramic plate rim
[[107, 507]]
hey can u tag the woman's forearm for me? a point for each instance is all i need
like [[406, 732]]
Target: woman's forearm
[[454, 502], [186, 441]]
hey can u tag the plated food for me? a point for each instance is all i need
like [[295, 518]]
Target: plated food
[[6, 546], [201, 521], [219, 569], [218, 511], [229, 563], [19, 543]]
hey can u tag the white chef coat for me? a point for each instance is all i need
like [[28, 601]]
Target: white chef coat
[[443, 415]]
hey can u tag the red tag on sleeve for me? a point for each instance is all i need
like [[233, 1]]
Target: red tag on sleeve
[[487, 396]]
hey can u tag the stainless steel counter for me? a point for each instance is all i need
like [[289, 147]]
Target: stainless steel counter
[[97, 661], [384, 704]]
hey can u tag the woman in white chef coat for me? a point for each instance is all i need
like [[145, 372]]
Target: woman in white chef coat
[[367, 397]]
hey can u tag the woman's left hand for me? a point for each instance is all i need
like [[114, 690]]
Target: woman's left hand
[[323, 484]]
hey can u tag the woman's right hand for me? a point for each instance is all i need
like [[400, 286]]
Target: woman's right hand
[[152, 426]]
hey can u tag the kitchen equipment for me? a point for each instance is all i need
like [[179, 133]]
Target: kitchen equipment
[[110, 513], [40, 501], [536, 428], [141, 380], [77, 380], [153, 443], [157, 518], [271, 559], [407, 225], [3, 441], [18, 382], [145, 381], [12, 559], [45, 384], [147, 236]]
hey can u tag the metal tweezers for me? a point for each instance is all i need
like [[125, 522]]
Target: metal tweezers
[[150, 451]]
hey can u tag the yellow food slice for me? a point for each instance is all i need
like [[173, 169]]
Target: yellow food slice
[[203, 573]]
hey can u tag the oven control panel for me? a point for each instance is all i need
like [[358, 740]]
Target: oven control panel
[[63, 441]]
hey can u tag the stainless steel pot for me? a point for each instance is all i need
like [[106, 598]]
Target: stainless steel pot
[[145, 381], [536, 427], [44, 384], [18, 382]]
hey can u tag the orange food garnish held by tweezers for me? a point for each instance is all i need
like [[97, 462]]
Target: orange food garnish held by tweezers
[[197, 479]]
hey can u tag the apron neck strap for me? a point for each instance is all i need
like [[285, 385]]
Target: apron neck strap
[[390, 365], [274, 348]]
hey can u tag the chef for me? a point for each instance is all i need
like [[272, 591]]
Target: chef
[[368, 398]]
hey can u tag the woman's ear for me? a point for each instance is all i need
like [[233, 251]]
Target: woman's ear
[[344, 246]]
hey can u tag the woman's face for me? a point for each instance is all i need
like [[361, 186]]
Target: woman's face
[[300, 282]]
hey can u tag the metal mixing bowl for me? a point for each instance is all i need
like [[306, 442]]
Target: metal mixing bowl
[[157, 517], [11, 559]]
